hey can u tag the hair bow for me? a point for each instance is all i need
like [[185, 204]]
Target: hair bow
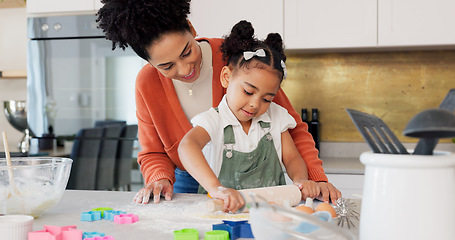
[[248, 54], [285, 72]]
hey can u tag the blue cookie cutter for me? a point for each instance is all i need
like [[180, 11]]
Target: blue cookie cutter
[[236, 229], [92, 235], [91, 216]]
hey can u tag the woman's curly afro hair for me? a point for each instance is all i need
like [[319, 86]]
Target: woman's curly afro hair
[[242, 39], [137, 23]]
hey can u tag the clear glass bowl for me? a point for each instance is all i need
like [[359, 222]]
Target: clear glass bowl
[[271, 222], [39, 184]]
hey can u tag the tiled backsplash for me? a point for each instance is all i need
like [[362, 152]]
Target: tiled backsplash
[[391, 85]]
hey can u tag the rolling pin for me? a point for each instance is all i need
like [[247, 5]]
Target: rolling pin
[[284, 195]]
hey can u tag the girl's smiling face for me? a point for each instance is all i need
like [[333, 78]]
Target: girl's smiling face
[[177, 56], [249, 91]]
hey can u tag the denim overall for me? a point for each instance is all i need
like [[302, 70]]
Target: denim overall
[[258, 168]]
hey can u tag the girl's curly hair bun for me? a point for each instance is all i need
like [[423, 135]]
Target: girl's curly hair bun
[[243, 30], [242, 39], [239, 40], [275, 41]]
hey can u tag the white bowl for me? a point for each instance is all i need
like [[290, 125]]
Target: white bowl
[[40, 184]]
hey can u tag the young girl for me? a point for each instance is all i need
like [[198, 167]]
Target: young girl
[[244, 142]]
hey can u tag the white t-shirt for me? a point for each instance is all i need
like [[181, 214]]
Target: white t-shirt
[[214, 122], [201, 98]]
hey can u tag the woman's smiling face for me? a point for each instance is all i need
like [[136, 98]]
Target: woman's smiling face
[[177, 56]]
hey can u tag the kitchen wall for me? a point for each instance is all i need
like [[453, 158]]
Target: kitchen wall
[[391, 85], [13, 56]]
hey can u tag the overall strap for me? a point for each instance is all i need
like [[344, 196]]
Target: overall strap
[[228, 132], [229, 135], [264, 124]]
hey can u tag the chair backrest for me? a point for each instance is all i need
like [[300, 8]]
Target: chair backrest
[[13, 154], [104, 123], [124, 163], [85, 153], [107, 157]]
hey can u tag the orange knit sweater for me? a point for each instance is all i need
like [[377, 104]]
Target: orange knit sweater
[[162, 122]]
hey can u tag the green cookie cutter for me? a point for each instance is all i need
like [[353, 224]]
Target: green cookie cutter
[[217, 235], [102, 209], [186, 234]]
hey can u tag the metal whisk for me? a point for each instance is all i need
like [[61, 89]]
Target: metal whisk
[[346, 213]]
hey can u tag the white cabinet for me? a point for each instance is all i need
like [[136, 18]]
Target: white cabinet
[[330, 23], [98, 4], [60, 6], [416, 22], [350, 185], [215, 18], [368, 23]]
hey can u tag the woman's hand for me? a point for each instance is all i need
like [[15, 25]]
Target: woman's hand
[[232, 199], [309, 189], [329, 191], [158, 188]]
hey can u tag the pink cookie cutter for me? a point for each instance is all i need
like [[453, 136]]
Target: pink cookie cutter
[[126, 218], [56, 233]]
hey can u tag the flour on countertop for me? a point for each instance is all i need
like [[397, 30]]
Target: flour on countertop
[[182, 212]]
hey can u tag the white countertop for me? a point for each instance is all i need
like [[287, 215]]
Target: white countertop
[[156, 221]]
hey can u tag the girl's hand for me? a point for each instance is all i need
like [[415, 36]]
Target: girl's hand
[[232, 199], [329, 191], [309, 189], [159, 187]]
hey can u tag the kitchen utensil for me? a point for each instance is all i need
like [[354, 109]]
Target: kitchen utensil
[[430, 125], [376, 133], [12, 184], [408, 196], [284, 195], [449, 101], [16, 114], [41, 182], [346, 213], [271, 222], [425, 146]]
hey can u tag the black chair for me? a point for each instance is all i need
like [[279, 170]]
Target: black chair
[[107, 157], [104, 123], [13, 154], [85, 154], [123, 165]]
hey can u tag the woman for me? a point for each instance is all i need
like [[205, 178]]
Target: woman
[[180, 81]]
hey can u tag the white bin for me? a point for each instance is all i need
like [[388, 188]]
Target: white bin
[[408, 196]]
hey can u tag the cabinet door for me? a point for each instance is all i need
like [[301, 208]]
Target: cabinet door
[[330, 23], [98, 4], [416, 22], [215, 18], [53, 6]]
